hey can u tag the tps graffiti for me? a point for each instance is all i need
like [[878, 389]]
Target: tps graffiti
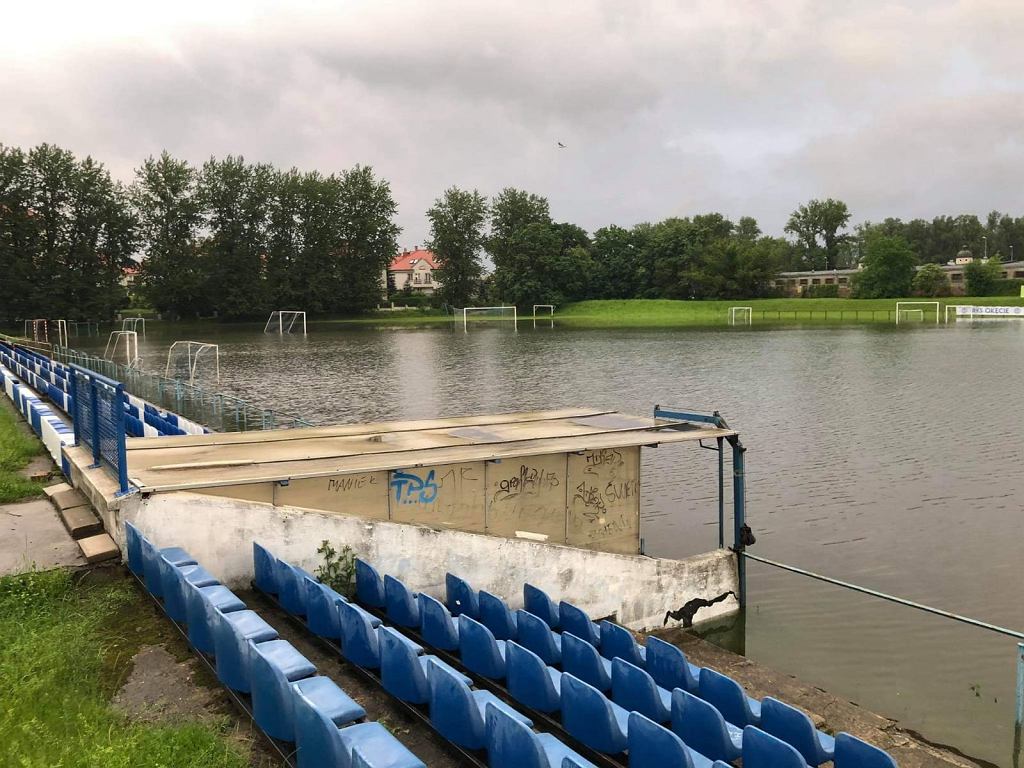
[[410, 488]]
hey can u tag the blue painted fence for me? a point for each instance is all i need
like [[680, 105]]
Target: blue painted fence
[[98, 414]]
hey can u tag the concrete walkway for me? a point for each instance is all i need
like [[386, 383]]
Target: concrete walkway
[[31, 534]]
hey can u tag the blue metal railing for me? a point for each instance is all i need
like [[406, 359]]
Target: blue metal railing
[[98, 417]]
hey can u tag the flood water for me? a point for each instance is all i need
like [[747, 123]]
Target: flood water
[[892, 459]]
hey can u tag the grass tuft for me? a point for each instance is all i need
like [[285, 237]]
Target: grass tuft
[[16, 450]]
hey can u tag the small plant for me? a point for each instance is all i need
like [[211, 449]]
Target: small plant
[[338, 569]]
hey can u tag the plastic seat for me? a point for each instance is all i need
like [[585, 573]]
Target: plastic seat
[[536, 635], [359, 640], [231, 635], [669, 667], [511, 744], [322, 609], [762, 750], [703, 728], [618, 643], [460, 598], [479, 651], [458, 712], [635, 691], [404, 674], [495, 615], [591, 718], [653, 746], [264, 567], [200, 604], [173, 588], [726, 695], [291, 587], [795, 728], [852, 752], [581, 659], [436, 624], [369, 586], [133, 543], [320, 743], [176, 556], [537, 602], [576, 621], [402, 607], [529, 681]]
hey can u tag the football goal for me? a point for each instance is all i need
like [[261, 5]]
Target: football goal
[[549, 307], [741, 315], [285, 320], [189, 360], [123, 345], [134, 324], [501, 314], [907, 311], [41, 330]]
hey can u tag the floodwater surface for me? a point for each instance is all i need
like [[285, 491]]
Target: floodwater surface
[[889, 458]]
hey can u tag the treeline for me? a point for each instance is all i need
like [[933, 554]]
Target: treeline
[[229, 239]]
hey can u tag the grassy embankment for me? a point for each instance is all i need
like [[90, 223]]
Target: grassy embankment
[[17, 447], [68, 646]]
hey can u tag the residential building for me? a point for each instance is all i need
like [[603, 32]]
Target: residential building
[[798, 283], [415, 270]]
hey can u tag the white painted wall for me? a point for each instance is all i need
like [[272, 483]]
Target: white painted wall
[[637, 589]]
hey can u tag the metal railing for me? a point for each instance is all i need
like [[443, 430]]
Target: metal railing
[[215, 410], [98, 416]]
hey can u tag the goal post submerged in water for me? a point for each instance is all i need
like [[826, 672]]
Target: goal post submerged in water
[[742, 312], [284, 320], [910, 308], [190, 354], [497, 313]]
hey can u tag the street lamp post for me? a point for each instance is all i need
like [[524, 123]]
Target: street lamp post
[[985, 240]]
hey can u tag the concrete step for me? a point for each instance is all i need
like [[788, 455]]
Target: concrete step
[[98, 548], [53, 490], [69, 498], [80, 521]]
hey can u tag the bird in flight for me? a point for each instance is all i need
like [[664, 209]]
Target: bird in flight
[[561, 145]]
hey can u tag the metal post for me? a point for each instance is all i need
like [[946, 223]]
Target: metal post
[[739, 514], [122, 456], [1018, 722], [76, 425], [95, 416], [721, 493]]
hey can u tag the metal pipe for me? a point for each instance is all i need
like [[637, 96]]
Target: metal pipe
[[1018, 723], [721, 493], [739, 514]]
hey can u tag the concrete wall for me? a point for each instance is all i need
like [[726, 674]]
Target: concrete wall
[[638, 590]]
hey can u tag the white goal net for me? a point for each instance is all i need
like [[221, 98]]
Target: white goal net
[[490, 314], [193, 360], [741, 315], [919, 311], [286, 321]]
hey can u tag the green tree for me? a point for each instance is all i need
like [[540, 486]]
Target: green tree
[[931, 280], [547, 265], [511, 212], [982, 276], [888, 269], [457, 221], [816, 227], [617, 267], [174, 278], [20, 237]]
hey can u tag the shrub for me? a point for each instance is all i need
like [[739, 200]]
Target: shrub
[[338, 569], [982, 277], [1007, 288], [931, 280]]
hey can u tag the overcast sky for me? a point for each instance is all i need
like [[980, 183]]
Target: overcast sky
[[748, 108]]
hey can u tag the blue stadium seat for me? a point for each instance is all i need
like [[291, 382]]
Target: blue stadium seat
[[264, 567], [369, 586], [536, 635], [401, 603], [591, 718], [291, 587], [852, 752], [703, 728], [322, 609], [581, 659], [795, 728], [404, 674], [669, 667], [635, 691], [761, 750], [200, 604], [436, 624], [618, 643], [479, 651], [728, 697], [512, 744], [537, 602], [495, 615], [530, 681], [359, 640], [176, 556], [458, 712], [171, 578], [321, 743], [133, 543], [231, 635], [652, 746], [276, 667], [460, 597], [576, 621]]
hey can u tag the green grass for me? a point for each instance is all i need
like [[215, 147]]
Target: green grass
[[66, 646], [667, 313], [17, 448]]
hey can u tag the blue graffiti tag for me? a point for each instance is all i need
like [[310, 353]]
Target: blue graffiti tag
[[413, 489]]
